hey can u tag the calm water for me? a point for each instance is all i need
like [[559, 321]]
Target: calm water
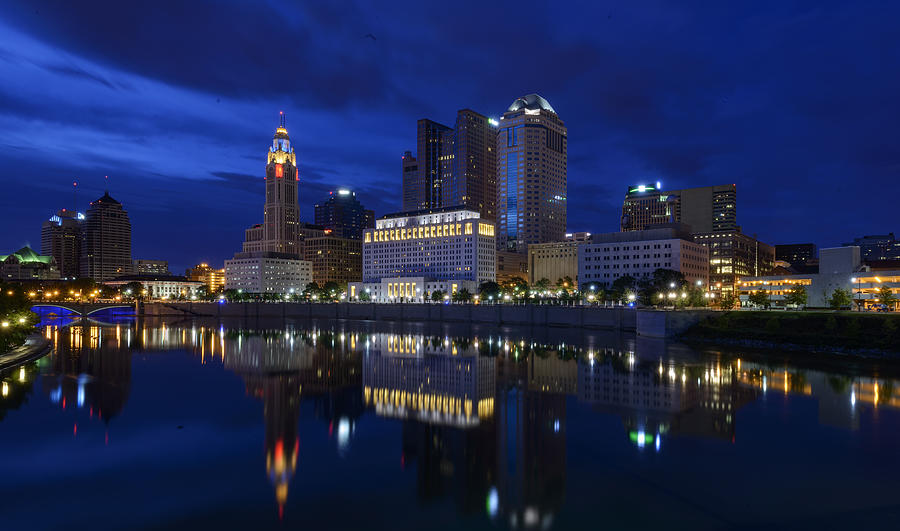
[[360, 425]]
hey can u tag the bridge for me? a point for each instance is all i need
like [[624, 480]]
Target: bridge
[[80, 308]]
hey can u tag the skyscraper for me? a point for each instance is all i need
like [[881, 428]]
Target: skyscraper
[[531, 175], [271, 261], [453, 167], [705, 209], [344, 215], [61, 239], [279, 231], [106, 240], [411, 182]]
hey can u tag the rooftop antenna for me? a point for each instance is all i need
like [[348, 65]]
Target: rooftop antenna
[[106, 183], [75, 196], [281, 117]]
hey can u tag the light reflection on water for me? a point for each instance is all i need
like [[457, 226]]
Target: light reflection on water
[[484, 416]]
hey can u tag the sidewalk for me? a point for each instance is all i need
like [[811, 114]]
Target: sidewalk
[[35, 346]]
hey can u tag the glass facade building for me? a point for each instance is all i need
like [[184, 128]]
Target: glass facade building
[[531, 175]]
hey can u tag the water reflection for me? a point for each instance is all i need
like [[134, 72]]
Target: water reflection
[[483, 417]]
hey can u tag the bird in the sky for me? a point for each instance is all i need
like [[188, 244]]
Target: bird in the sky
[[369, 36]]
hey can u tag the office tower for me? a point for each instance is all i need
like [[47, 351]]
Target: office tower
[[213, 278], [61, 239], [412, 185], [151, 267], [454, 167], [279, 231], [877, 247], [106, 240], [553, 261], [531, 175], [704, 209], [796, 253], [334, 259], [732, 256], [271, 261], [344, 215]]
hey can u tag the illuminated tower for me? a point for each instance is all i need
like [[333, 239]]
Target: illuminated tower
[[532, 146], [281, 222]]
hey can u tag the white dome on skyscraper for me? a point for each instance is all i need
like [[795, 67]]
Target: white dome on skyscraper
[[531, 102]]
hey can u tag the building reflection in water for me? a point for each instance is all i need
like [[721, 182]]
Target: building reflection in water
[[89, 369], [484, 420]]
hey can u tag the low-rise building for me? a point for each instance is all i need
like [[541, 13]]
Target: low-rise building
[[839, 268], [150, 267], [639, 253], [26, 264], [553, 261], [213, 278], [160, 286], [267, 272], [407, 289], [511, 265]]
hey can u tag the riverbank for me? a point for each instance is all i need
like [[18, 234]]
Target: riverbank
[[865, 334], [35, 346]]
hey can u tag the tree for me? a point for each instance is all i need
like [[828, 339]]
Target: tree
[[623, 285], [759, 298], [133, 290], [311, 289], [331, 290], [364, 296], [797, 296], [489, 289], [886, 296], [727, 301], [462, 295], [542, 284], [840, 298], [437, 295]]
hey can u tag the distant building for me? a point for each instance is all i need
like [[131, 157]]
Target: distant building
[[796, 253], [638, 254], [532, 146], [344, 215], [412, 186], [578, 236], [267, 273], [25, 264], [511, 266], [703, 209], [106, 241], [334, 259], [839, 267], [441, 244], [553, 261], [732, 256], [61, 238], [213, 279], [279, 231], [453, 167], [151, 267], [161, 286], [877, 247]]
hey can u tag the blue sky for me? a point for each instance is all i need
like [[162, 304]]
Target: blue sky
[[795, 102]]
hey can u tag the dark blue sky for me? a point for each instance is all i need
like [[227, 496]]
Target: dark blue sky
[[795, 102]]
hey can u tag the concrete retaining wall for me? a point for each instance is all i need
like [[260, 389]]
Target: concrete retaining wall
[[649, 323]]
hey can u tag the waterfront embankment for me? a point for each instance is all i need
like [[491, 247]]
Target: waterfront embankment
[[861, 333], [35, 346], [649, 323]]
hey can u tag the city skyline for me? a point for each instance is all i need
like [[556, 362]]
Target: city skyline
[[746, 100]]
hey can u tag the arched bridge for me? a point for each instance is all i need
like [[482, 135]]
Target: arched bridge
[[79, 308]]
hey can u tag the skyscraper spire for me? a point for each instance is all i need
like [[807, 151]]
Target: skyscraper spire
[[75, 196], [281, 118], [106, 183]]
